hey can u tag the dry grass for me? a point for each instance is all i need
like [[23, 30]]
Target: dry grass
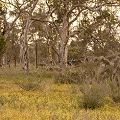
[[49, 101]]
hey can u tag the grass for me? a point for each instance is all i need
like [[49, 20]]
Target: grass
[[37, 97]]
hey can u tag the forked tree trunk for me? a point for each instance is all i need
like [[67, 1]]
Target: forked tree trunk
[[26, 30]]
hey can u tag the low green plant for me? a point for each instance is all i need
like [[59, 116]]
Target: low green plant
[[94, 96]]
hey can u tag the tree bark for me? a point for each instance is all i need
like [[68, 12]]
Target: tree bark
[[36, 54], [58, 51], [63, 42], [25, 44], [50, 55], [0, 60], [21, 55], [65, 55]]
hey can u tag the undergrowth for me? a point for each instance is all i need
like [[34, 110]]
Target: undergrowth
[[37, 97]]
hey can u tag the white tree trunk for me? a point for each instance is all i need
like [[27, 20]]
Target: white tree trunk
[[21, 54], [61, 54], [65, 55], [25, 45], [63, 43]]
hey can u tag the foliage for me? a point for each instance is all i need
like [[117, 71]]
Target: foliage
[[77, 50], [115, 90], [69, 75], [94, 95], [92, 72], [80, 73]]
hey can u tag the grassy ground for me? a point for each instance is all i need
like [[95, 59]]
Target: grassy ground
[[37, 97]]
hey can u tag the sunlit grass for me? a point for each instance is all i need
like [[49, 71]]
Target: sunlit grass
[[49, 101]]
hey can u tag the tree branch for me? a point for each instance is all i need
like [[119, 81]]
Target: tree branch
[[53, 48], [75, 17], [96, 8], [34, 5], [77, 31], [41, 20], [9, 3]]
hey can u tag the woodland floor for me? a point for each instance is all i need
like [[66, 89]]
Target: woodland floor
[[37, 97]]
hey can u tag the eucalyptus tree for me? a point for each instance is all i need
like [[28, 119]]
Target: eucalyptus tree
[[47, 36], [64, 13], [14, 9], [19, 8], [26, 30]]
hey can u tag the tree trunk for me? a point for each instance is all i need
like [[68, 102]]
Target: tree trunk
[[29, 22], [63, 43], [58, 51], [25, 43], [65, 55], [36, 54], [0, 61], [21, 54], [61, 54], [50, 55], [3, 60], [15, 60]]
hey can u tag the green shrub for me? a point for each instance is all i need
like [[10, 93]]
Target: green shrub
[[94, 96]]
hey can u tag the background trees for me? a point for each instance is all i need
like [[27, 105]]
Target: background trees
[[65, 14], [48, 27]]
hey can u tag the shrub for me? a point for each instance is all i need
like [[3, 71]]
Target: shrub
[[115, 89], [94, 96], [71, 75]]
